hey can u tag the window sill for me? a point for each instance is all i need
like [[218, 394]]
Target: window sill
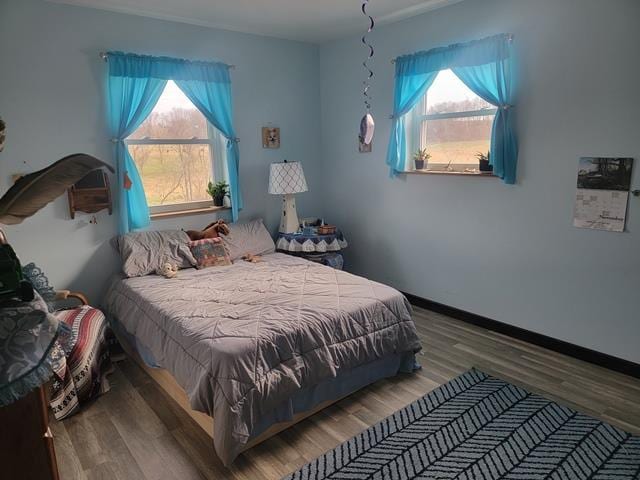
[[436, 172], [187, 212]]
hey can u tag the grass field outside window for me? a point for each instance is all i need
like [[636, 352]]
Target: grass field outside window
[[453, 124], [177, 153]]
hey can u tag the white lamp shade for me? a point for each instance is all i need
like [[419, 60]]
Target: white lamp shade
[[287, 178]]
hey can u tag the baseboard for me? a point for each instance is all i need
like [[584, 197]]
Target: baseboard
[[581, 353]]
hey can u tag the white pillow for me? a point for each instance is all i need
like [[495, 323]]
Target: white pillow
[[248, 238]]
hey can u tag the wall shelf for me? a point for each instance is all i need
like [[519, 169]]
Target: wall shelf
[[91, 194]]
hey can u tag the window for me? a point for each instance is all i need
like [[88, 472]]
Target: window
[[177, 153], [453, 124]]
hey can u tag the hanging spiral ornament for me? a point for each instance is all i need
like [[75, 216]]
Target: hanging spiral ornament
[[367, 124]]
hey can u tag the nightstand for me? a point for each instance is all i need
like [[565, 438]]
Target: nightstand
[[325, 249]]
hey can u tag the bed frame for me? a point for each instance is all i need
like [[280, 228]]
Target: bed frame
[[165, 380]]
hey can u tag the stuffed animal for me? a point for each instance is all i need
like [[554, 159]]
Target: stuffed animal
[[252, 258], [213, 230], [167, 270]]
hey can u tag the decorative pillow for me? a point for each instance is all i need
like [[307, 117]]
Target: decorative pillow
[[209, 252], [144, 252], [248, 238]]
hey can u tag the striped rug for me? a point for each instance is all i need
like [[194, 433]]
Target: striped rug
[[480, 427]]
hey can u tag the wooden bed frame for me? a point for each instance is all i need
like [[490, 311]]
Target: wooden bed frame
[[165, 380]]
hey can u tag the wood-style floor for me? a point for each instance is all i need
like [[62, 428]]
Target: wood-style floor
[[136, 432]]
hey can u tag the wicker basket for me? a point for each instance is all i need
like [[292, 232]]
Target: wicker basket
[[326, 229]]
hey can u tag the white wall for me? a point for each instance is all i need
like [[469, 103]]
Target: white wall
[[52, 98], [506, 252]]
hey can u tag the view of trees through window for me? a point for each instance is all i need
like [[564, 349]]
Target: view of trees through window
[[173, 152], [452, 136]]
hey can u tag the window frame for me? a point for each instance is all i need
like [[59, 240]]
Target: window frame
[[417, 127], [215, 141]]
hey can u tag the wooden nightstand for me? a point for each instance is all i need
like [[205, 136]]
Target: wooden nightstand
[[325, 249]]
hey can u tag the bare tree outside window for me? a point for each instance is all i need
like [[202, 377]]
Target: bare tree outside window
[[173, 152]]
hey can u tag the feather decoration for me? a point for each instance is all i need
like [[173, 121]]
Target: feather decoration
[[35, 190]]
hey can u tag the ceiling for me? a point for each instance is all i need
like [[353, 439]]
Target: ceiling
[[314, 21]]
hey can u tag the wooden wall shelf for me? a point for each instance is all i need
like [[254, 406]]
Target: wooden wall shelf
[[91, 194]]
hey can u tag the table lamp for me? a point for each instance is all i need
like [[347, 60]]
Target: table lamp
[[287, 179]]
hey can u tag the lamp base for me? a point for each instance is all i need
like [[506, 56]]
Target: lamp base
[[289, 222]]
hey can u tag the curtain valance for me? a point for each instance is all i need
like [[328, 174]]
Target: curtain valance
[[132, 65], [478, 52]]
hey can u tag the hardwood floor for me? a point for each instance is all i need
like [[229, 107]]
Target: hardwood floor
[[137, 432]]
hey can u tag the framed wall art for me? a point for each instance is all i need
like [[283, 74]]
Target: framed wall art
[[270, 137]]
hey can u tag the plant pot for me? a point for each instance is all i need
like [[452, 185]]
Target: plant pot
[[485, 166], [218, 201], [419, 164]]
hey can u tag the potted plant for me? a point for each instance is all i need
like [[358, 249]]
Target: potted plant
[[218, 191], [483, 160], [420, 157]]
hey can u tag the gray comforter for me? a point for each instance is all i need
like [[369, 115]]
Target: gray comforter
[[241, 339]]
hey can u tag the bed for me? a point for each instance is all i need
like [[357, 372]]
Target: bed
[[251, 348]]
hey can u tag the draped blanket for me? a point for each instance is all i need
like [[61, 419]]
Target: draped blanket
[[81, 360]]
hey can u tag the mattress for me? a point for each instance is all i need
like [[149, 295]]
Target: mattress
[[242, 339]]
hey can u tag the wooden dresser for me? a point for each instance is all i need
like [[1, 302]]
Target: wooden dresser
[[26, 442]]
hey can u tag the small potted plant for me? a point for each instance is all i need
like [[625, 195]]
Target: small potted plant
[[483, 160], [218, 191], [420, 158]]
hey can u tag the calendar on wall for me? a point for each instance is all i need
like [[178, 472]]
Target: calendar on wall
[[603, 193]]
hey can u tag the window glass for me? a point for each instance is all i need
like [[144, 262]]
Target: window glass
[[448, 94], [173, 173], [457, 142], [174, 150], [453, 124], [173, 117]]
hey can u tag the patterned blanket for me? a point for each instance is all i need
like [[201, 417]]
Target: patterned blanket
[[80, 360]]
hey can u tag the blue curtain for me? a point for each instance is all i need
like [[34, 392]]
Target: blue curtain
[[206, 84], [209, 88], [132, 94], [485, 67], [493, 83], [410, 88]]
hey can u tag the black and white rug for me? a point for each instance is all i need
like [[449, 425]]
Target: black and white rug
[[480, 427]]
